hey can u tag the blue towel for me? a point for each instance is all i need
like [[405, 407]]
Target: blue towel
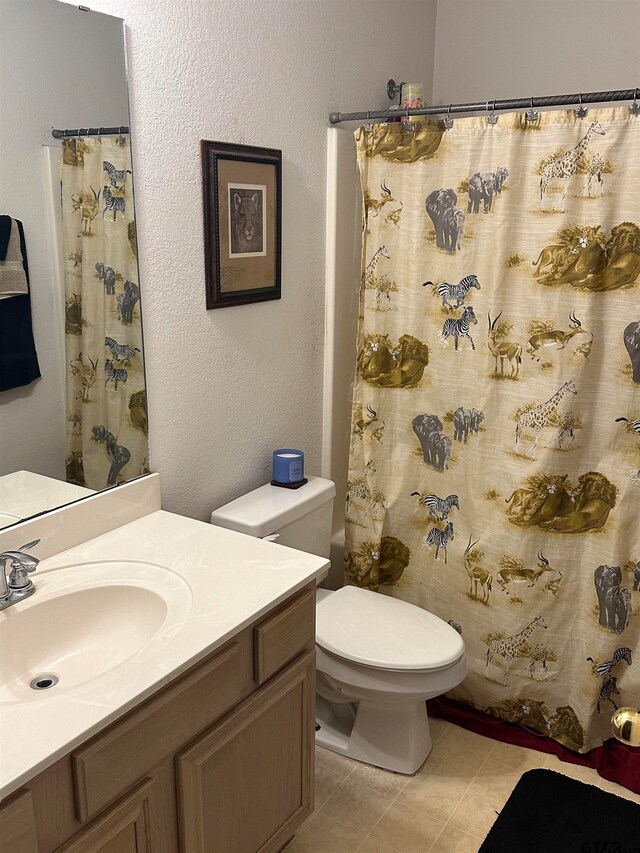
[[5, 233], [18, 358]]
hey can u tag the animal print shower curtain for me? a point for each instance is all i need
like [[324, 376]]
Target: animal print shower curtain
[[495, 451], [106, 403]]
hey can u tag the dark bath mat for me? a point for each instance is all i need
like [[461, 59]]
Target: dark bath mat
[[551, 813]]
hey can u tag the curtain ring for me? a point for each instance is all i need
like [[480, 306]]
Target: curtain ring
[[407, 124], [634, 108], [367, 125], [447, 121], [492, 118], [582, 111], [531, 114]]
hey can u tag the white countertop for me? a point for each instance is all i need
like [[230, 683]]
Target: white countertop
[[233, 580], [23, 494]]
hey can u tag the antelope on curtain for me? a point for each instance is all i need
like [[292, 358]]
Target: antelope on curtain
[[106, 398], [495, 452]]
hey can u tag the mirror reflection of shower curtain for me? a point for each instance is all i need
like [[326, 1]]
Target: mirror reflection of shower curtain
[[495, 445], [106, 409]]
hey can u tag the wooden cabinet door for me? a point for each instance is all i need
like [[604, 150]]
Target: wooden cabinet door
[[247, 784], [17, 824], [123, 829]]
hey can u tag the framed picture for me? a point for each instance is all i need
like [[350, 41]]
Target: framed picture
[[242, 223]]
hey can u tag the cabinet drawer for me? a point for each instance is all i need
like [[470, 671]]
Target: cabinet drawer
[[108, 765], [285, 635]]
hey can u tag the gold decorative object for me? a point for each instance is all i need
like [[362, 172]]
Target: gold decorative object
[[625, 724]]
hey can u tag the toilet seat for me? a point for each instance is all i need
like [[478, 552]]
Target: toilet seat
[[375, 630]]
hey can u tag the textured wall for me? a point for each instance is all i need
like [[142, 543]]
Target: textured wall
[[226, 387], [514, 48]]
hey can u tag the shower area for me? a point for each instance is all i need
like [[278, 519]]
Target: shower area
[[482, 393]]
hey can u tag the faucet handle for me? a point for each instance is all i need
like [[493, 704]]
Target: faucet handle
[[29, 545], [22, 565], [19, 577]]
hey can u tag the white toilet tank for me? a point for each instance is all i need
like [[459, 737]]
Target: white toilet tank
[[301, 517]]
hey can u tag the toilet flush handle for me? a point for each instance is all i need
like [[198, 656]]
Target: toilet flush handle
[[271, 537]]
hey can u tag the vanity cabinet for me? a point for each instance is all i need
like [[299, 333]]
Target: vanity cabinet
[[218, 761]]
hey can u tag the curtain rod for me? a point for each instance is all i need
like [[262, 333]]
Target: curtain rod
[[510, 104], [90, 131]]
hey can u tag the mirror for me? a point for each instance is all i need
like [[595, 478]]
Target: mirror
[[73, 415]]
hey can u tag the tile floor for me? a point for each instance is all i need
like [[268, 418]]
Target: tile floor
[[447, 807]]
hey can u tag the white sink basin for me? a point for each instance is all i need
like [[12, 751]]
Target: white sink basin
[[84, 621]]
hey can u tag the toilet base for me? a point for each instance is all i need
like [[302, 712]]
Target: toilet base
[[395, 737]]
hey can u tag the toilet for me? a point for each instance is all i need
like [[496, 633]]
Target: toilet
[[378, 659]]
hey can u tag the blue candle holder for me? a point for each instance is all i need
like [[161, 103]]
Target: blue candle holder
[[288, 468]]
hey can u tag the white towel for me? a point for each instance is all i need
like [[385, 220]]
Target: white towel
[[13, 279]]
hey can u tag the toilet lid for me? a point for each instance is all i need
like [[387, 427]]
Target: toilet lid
[[379, 631]]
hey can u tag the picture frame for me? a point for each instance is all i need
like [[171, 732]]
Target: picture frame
[[242, 201]]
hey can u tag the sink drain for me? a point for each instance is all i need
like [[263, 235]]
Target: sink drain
[[43, 682]]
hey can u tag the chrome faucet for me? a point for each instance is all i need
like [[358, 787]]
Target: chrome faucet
[[18, 585]]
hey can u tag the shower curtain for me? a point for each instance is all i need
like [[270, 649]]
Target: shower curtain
[[495, 451], [106, 404]]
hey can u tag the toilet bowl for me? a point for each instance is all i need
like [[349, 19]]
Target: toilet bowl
[[378, 659]]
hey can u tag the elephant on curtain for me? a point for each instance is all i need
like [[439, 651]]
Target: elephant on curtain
[[482, 187], [441, 209], [428, 429], [614, 600], [632, 346]]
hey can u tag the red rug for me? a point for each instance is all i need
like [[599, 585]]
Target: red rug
[[614, 761]]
